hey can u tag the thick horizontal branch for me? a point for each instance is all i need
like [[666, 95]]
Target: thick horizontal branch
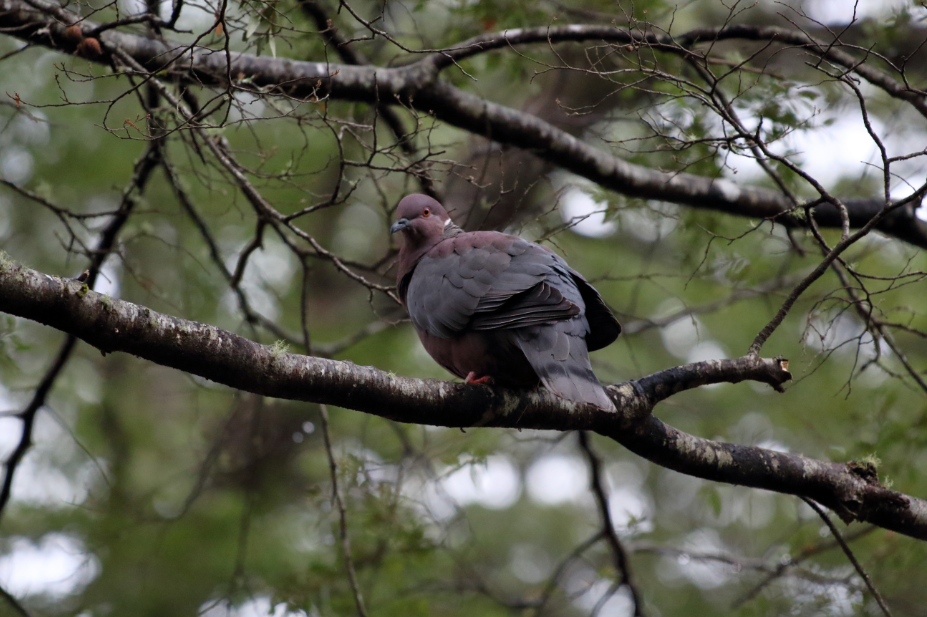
[[111, 325], [418, 85]]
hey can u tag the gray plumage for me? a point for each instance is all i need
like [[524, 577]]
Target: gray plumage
[[488, 304]]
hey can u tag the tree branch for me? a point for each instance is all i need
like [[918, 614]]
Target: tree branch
[[852, 490], [619, 553], [338, 499], [418, 86], [849, 553], [406, 141], [142, 173], [10, 599]]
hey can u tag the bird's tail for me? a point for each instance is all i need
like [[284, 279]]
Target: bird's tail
[[561, 361]]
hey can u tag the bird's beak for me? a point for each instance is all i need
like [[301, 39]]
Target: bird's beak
[[399, 225]]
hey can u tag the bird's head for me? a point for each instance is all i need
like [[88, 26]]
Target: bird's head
[[421, 219]]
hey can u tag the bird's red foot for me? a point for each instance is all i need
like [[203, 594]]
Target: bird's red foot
[[472, 378]]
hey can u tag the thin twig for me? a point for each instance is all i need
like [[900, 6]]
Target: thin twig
[[793, 561], [846, 550], [577, 551], [143, 169], [342, 516], [348, 55], [619, 555], [14, 603]]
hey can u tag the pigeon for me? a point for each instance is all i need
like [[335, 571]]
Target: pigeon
[[495, 308]]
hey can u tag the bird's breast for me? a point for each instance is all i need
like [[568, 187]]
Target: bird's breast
[[491, 353]]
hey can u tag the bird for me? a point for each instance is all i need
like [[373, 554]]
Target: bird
[[497, 309]]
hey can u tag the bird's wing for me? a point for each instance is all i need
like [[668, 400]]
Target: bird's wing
[[522, 291], [603, 326], [488, 281]]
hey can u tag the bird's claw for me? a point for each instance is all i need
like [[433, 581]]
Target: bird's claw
[[472, 378]]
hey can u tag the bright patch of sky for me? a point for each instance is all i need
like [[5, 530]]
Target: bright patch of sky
[[835, 144], [269, 272], [16, 164], [826, 331], [556, 479], [195, 15], [57, 565], [109, 280], [585, 215], [683, 335], [494, 484], [619, 604], [628, 504], [706, 574], [38, 481], [247, 105], [261, 606], [841, 11], [630, 509], [844, 149], [23, 132]]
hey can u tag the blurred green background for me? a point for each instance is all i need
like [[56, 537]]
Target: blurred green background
[[150, 492]]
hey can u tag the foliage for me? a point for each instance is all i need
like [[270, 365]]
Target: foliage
[[159, 493]]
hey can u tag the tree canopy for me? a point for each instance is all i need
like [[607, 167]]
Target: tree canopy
[[212, 400]]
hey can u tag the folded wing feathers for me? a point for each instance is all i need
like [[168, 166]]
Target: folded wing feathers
[[497, 282], [540, 304]]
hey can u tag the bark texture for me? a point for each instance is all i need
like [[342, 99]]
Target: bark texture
[[419, 86], [850, 489]]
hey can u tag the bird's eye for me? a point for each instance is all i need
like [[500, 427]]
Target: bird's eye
[[426, 212]]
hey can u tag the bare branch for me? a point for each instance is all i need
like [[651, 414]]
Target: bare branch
[[418, 87], [849, 553], [18, 608], [851, 490], [619, 554], [342, 514], [142, 173]]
